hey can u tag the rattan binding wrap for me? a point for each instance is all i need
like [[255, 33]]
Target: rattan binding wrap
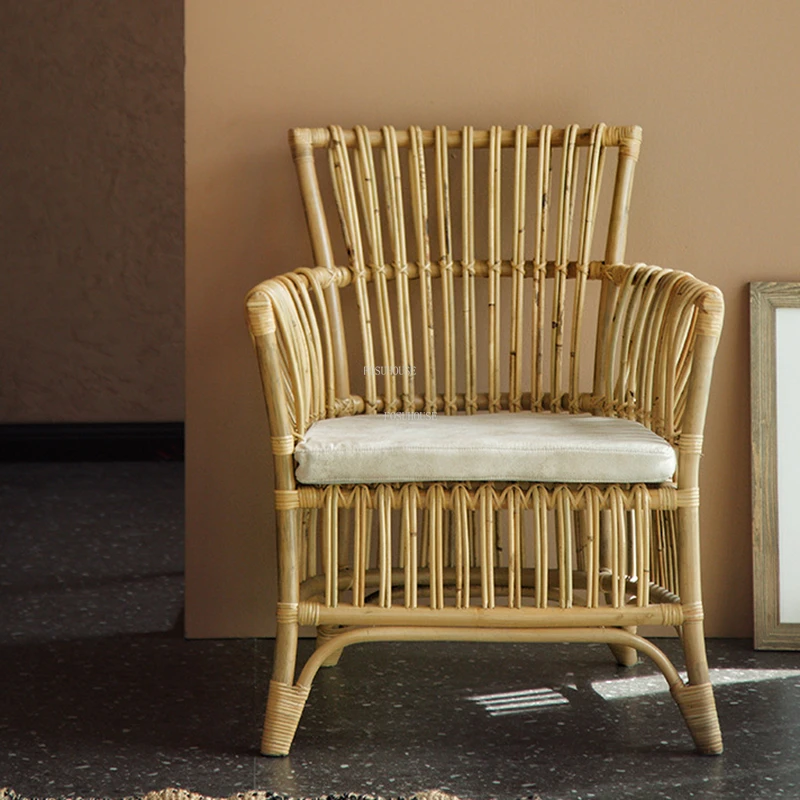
[[470, 261]]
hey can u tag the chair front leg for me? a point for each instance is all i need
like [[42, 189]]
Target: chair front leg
[[286, 700], [696, 698]]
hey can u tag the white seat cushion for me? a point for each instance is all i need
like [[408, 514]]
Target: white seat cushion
[[546, 448]]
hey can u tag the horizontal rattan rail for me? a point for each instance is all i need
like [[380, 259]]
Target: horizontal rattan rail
[[626, 136]]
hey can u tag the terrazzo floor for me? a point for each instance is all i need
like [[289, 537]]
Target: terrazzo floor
[[100, 695]]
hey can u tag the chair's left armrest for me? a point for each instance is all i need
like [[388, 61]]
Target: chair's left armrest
[[283, 319]]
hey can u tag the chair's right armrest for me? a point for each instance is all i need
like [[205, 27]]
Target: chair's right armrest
[[657, 351]]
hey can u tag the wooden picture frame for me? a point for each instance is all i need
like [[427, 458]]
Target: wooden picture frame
[[775, 423]]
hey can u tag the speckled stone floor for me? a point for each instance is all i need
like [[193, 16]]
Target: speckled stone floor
[[101, 695]]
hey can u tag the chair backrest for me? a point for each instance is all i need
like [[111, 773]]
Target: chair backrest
[[433, 212]]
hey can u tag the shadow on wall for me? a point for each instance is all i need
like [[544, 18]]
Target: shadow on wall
[[92, 165]]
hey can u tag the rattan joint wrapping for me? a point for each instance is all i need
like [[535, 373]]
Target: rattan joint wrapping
[[693, 612], [282, 445], [286, 613], [700, 712], [284, 708], [286, 499], [689, 498]]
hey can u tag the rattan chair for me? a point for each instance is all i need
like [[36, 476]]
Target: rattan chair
[[476, 442]]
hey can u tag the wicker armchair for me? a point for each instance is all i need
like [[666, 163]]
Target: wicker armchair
[[502, 448]]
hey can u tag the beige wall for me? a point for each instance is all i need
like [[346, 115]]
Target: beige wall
[[91, 211], [715, 86]]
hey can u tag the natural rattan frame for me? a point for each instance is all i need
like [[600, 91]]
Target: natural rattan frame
[[600, 559]]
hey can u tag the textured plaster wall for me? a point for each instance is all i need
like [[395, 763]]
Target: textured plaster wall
[[91, 210], [714, 85]]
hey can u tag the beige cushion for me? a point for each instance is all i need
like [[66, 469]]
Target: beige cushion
[[547, 448]]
